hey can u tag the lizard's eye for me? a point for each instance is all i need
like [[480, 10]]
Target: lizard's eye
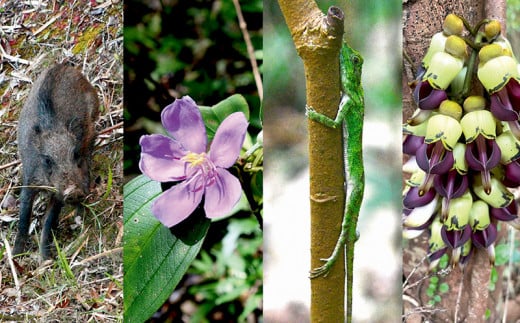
[[355, 59]]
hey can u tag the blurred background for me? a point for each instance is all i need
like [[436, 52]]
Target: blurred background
[[196, 48], [373, 28]]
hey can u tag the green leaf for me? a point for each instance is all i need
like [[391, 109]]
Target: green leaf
[[109, 184], [501, 254], [63, 263], [213, 116], [443, 262], [252, 303], [494, 275], [257, 185], [444, 288], [155, 257]]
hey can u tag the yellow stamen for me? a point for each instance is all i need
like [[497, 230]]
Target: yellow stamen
[[194, 159]]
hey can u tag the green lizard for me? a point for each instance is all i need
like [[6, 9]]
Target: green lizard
[[350, 115]]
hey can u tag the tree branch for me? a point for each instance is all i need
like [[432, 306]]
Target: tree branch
[[317, 38]]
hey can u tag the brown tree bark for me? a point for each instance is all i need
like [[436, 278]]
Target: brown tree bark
[[468, 297]]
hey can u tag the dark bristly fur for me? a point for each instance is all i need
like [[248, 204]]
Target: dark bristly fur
[[55, 139]]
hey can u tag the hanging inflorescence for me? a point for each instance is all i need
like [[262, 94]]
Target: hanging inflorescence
[[464, 148]]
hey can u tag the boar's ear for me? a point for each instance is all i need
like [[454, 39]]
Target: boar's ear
[[46, 112]]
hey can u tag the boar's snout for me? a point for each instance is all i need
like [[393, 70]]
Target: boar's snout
[[73, 194]]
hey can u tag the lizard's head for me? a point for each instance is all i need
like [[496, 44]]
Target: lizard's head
[[351, 63]]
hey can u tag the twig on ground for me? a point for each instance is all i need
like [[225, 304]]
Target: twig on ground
[[13, 58], [117, 125], [11, 164], [13, 270], [99, 255], [47, 24]]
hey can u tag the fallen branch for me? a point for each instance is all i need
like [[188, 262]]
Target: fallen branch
[[99, 255]]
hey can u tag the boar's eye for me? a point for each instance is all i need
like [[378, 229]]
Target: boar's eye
[[78, 157], [48, 163]]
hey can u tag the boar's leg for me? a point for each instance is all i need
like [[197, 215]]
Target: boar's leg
[[50, 224], [26, 201]]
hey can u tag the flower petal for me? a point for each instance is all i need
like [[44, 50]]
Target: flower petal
[[420, 216], [176, 204], [482, 154], [411, 143], [442, 70], [509, 147], [512, 174], [476, 123], [486, 237], [428, 98], [228, 140], [507, 213], [498, 197], [501, 107], [496, 72], [160, 158], [444, 128], [451, 184], [433, 159], [182, 119], [222, 195], [455, 238], [513, 90], [412, 199]]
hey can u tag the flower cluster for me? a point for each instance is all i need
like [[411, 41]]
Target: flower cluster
[[464, 149], [183, 157]]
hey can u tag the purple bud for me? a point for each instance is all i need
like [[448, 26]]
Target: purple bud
[[507, 213], [455, 238], [412, 198], [411, 143], [484, 238], [512, 174], [434, 158], [428, 98], [482, 154], [451, 184], [501, 107]]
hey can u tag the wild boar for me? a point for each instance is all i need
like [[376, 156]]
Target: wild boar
[[56, 132]]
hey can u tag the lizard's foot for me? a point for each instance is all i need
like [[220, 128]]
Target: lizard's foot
[[309, 111], [322, 270], [321, 118]]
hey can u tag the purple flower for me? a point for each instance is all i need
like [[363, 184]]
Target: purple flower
[[427, 97], [183, 157], [505, 105]]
